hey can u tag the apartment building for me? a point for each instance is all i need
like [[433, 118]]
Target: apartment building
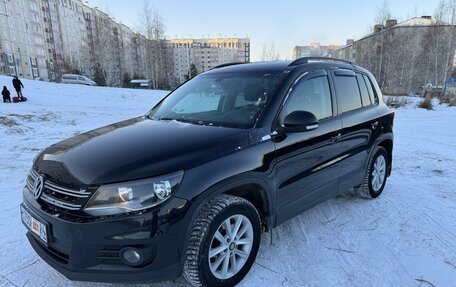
[[205, 54], [313, 50], [53, 40], [22, 46], [406, 56], [73, 34], [47, 38]]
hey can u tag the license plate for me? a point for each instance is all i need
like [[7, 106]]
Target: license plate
[[34, 225]]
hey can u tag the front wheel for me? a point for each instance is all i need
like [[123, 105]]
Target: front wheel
[[224, 242], [376, 174]]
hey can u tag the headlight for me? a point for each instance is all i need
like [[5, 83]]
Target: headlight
[[133, 195]]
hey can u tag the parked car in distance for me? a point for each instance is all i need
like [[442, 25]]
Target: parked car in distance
[[190, 186], [141, 84], [77, 79]]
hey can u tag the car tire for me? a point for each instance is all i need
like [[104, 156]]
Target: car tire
[[376, 174], [226, 266]]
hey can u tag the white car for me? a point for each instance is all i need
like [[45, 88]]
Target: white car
[[77, 79]]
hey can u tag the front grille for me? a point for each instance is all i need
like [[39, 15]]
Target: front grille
[[59, 196]]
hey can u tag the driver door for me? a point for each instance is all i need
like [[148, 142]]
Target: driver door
[[308, 163]]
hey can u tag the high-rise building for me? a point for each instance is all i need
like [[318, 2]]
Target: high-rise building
[[52, 36], [46, 38], [22, 46], [73, 33], [204, 54]]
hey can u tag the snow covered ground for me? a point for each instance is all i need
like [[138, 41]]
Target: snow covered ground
[[404, 238]]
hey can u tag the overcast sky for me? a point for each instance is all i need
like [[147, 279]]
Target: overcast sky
[[287, 23]]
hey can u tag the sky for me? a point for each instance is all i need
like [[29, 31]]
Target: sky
[[285, 23]]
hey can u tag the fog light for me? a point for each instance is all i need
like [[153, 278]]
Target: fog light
[[131, 256]]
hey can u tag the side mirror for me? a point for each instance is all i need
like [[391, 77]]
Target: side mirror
[[299, 121]]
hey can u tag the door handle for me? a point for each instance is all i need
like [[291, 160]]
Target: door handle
[[336, 137], [374, 125]]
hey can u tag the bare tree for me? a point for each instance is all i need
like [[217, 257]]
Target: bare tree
[[153, 27], [270, 53], [445, 14], [383, 13]]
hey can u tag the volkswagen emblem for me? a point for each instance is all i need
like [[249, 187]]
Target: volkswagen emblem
[[38, 186]]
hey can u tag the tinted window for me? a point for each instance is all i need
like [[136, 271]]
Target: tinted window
[[313, 96], [363, 89], [81, 79], [348, 96], [372, 94]]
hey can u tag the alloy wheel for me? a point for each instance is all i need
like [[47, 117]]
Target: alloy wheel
[[378, 173], [230, 246]]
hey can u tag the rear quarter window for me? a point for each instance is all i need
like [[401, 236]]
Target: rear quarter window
[[348, 95], [367, 101], [372, 94]]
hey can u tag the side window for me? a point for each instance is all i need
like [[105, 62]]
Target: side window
[[81, 79], [372, 94], [364, 92], [312, 95], [348, 95]]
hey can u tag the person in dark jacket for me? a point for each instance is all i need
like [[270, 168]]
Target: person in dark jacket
[[6, 95], [17, 84]]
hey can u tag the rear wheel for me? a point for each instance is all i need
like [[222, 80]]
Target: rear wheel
[[376, 174], [224, 242]]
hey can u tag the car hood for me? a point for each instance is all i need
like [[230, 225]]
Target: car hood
[[134, 149]]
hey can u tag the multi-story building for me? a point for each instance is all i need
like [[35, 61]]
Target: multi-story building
[[22, 47], [313, 50], [73, 33], [52, 36], [203, 53], [406, 56], [46, 38]]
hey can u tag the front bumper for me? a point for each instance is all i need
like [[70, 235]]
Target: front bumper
[[90, 251]]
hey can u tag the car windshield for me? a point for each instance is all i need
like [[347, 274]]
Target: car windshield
[[219, 99]]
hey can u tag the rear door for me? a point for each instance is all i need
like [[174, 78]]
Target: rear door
[[307, 168], [360, 123]]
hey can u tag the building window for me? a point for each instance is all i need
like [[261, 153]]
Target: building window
[[12, 70]]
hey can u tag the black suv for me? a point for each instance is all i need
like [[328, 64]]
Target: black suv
[[189, 187]]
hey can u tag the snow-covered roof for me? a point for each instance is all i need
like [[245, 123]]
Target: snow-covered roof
[[417, 21]]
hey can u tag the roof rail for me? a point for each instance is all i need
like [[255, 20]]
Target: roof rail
[[306, 60], [227, 65]]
